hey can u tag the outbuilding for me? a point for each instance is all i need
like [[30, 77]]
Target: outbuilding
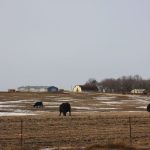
[[139, 91], [52, 89], [85, 88], [33, 89]]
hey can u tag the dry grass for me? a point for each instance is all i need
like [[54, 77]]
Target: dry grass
[[88, 129], [84, 130]]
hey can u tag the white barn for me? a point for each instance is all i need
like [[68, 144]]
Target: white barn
[[33, 89], [85, 88], [77, 88]]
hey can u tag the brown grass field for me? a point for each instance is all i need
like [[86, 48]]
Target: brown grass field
[[98, 121]]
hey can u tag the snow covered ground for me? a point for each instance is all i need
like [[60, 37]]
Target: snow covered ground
[[22, 107]]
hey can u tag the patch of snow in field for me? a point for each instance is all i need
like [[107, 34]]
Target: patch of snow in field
[[51, 103], [50, 96], [86, 108], [63, 148], [15, 114], [64, 100], [138, 97], [128, 100], [90, 108], [111, 103], [29, 100], [140, 101], [52, 106], [131, 111], [136, 101], [18, 101], [49, 149], [144, 107], [7, 106], [8, 102], [96, 104], [104, 98], [22, 111], [107, 108], [94, 109]]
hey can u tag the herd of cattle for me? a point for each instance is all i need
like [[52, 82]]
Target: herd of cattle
[[66, 107], [63, 108]]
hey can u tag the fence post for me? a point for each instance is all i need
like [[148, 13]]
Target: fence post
[[130, 130], [21, 138]]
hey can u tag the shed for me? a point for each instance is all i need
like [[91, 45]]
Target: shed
[[52, 89]]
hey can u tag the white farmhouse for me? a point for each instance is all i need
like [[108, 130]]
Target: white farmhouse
[[138, 91]]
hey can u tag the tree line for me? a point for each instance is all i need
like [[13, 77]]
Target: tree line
[[122, 84]]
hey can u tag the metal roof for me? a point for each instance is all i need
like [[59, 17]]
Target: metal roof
[[34, 87]]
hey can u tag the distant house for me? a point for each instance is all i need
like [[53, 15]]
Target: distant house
[[102, 89], [52, 89], [33, 89], [11, 90], [85, 88], [138, 91]]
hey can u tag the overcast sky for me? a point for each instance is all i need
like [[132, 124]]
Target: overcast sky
[[66, 42]]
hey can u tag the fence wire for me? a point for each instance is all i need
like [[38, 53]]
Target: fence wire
[[73, 131]]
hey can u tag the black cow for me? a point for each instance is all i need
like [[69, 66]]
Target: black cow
[[38, 104], [148, 107], [64, 108]]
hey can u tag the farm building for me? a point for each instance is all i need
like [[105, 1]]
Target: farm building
[[85, 88], [11, 90], [138, 91], [33, 89], [52, 89], [38, 89]]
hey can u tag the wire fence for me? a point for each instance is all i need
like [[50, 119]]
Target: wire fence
[[74, 131]]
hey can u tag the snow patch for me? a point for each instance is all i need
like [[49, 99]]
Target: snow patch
[[15, 114], [144, 107], [104, 98], [110, 103]]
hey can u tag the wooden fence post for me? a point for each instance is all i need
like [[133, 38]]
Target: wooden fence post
[[130, 130], [21, 138]]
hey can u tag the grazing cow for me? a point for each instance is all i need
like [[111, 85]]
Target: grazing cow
[[64, 108], [148, 107], [38, 104]]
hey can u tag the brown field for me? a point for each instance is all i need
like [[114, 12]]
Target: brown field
[[98, 121]]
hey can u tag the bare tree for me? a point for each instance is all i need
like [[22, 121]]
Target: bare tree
[[125, 84], [91, 81]]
